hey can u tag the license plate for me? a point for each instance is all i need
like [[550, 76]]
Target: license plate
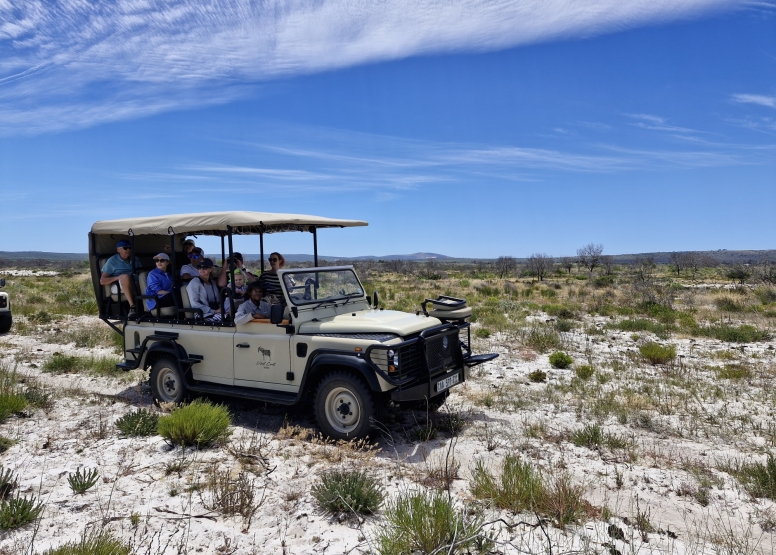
[[447, 383]]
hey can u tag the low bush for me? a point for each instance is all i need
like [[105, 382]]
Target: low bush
[[200, 424], [12, 399], [7, 482], [6, 443], [518, 488], [728, 304], [537, 376], [61, 364], [734, 372], [759, 478], [348, 491], [66, 364], [585, 372], [230, 496], [642, 324], [95, 543], [482, 333], [592, 436], [81, 482], [560, 360], [766, 295], [541, 338], [139, 423], [18, 511], [660, 312], [656, 353], [559, 311], [733, 334], [420, 522], [564, 325]]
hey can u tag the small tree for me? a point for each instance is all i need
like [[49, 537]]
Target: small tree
[[540, 265], [505, 265], [566, 262], [589, 256], [607, 263], [738, 273], [644, 266]]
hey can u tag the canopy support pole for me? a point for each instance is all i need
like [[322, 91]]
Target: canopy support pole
[[315, 245], [231, 271], [261, 247]]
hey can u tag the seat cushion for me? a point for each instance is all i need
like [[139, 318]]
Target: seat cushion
[[457, 314]]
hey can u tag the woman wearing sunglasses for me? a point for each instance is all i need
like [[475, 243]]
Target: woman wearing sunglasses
[[269, 280], [160, 283]]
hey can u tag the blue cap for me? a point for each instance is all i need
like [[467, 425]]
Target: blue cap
[[123, 243]]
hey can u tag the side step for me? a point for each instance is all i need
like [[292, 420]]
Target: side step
[[261, 395], [479, 359]]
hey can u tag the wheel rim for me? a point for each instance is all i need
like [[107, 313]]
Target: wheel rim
[[343, 411], [168, 384]]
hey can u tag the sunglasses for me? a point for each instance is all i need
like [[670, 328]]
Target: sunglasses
[[126, 248], [273, 259], [157, 260], [192, 255]]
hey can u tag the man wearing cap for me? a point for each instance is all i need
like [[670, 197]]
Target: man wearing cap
[[203, 292], [239, 265], [117, 273], [160, 283]]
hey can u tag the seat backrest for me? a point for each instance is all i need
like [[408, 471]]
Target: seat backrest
[[185, 297], [142, 279]]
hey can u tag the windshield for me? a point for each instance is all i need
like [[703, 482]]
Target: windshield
[[322, 286]]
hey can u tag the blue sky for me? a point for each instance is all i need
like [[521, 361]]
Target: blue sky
[[465, 128]]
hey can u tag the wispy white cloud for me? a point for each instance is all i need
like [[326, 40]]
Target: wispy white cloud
[[761, 99], [658, 123], [73, 64]]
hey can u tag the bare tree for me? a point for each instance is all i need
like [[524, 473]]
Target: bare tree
[[644, 268], [698, 261], [589, 256], [680, 261], [566, 262], [505, 265], [540, 265], [607, 263]]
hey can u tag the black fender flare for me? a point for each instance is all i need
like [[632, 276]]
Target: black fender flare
[[337, 358], [163, 347]]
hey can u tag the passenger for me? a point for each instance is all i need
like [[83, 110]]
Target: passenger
[[160, 283], [117, 273], [203, 292], [238, 262], [269, 280], [182, 256], [240, 290], [195, 258], [254, 306]]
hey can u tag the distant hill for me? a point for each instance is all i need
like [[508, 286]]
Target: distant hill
[[40, 255]]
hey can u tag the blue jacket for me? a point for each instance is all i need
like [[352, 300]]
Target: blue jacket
[[157, 281]]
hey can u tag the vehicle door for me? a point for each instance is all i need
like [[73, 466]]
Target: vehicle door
[[262, 356]]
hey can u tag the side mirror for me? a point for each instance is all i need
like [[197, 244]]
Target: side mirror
[[276, 314], [376, 301], [369, 300], [2, 282]]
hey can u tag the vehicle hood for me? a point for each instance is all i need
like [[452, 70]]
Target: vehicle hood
[[371, 321]]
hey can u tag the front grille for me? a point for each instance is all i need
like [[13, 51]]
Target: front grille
[[443, 352]]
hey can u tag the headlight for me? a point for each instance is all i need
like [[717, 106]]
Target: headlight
[[393, 360]]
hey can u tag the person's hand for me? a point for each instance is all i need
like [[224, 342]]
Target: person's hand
[[217, 311], [162, 292]]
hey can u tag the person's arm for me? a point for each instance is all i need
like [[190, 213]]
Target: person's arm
[[264, 309], [107, 270], [243, 313], [221, 282], [154, 284]]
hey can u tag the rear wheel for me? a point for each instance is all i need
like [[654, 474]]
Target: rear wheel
[[344, 406], [5, 322], [167, 384]]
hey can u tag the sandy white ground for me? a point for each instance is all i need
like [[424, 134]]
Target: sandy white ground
[[135, 473]]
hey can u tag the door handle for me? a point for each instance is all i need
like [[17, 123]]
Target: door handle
[[243, 345]]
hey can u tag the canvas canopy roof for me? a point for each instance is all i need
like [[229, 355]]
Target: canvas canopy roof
[[215, 223]]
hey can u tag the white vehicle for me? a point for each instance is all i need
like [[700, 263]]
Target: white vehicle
[[6, 320], [327, 343]]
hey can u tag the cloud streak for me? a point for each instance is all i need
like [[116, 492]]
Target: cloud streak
[[71, 64], [761, 99]]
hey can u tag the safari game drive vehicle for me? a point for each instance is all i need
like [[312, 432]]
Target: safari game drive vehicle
[[328, 344], [5, 310]]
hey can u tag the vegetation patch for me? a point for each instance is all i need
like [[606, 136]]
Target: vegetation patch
[[758, 478], [348, 492], [95, 543], [733, 334], [734, 372], [560, 360], [65, 364], [585, 372], [81, 482], [139, 423], [537, 376], [656, 353], [200, 424], [18, 511]]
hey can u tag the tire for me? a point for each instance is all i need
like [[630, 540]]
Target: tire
[[344, 406], [167, 385], [5, 322]]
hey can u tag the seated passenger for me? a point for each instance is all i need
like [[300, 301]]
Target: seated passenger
[[203, 292], [269, 280], [240, 290], [182, 256], [253, 307], [190, 270], [117, 272], [239, 266], [160, 283]]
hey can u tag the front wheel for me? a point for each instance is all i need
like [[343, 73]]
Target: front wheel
[[167, 384], [5, 322], [344, 406]]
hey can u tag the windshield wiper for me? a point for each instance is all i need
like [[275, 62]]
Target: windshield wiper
[[325, 301]]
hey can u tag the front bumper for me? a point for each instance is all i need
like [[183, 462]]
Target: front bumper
[[430, 389]]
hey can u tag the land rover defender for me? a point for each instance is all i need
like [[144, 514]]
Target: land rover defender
[[327, 343]]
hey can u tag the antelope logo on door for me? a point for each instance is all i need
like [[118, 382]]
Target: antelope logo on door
[[266, 358]]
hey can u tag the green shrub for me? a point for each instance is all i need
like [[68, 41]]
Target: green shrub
[[656, 353], [559, 311], [65, 364], [18, 511], [541, 338], [518, 488], [564, 325], [759, 478], [95, 543], [6, 443], [560, 360], [537, 376], [139, 423], [200, 423], [661, 312], [591, 435], [727, 304], [343, 491], [734, 372], [642, 324], [585, 372], [61, 364], [81, 482], [482, 333], [766, 295], [741, 334], [7, 482], [420, 522]]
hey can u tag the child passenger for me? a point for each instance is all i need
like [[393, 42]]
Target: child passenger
[[253, 307]]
